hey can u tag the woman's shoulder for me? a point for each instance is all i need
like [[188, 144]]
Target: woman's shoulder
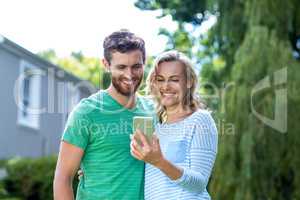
[[202, 116], [201, 113]]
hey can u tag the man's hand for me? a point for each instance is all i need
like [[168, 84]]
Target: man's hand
[[68, 162]]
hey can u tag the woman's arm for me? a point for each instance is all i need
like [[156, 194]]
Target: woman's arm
[[151, 153], [203, 152]]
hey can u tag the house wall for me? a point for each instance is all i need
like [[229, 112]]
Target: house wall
[[14, 139], [18, 140]]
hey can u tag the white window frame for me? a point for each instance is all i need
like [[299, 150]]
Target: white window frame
[[32, 117], [70, 98], [73, 96]]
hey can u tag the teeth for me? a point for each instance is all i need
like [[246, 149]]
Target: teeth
[[128, 82], [167, 94]]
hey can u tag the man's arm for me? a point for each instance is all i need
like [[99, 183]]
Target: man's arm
[[68, 162]]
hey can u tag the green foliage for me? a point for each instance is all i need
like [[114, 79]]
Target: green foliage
[[250, 41], [30, 178], [86, 68], [181, 11], [2, 163], [180, 40]]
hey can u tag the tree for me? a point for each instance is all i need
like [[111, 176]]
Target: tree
[[89, 68], [250, 41], [86, 68]]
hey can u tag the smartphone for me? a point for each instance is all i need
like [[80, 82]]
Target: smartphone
[[144, 124]]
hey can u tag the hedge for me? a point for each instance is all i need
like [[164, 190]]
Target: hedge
[[29, 178]]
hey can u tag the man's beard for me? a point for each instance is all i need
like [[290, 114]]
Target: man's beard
[[116, 82]]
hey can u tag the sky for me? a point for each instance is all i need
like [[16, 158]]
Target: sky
[[70, 26]]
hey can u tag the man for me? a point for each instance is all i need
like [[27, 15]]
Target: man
[[96, 137]]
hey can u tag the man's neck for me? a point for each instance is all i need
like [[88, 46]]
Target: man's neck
[[126, 101]]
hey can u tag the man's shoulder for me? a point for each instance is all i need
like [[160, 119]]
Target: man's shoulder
[[87, 105]]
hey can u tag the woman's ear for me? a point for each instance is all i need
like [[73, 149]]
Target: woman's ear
[[189, 84], [106, 64]]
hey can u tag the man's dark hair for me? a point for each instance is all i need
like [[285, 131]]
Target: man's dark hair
[[123, 41]]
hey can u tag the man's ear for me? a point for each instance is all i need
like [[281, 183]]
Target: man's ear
[[106, 64]]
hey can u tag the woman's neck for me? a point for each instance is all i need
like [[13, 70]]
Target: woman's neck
[[177, 113]]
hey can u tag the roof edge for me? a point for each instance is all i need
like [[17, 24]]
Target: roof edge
[[6, 43], [2, 38]]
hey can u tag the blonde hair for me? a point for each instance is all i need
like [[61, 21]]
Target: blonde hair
[[190, 99]]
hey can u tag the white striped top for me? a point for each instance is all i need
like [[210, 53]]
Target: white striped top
[[190, 144]]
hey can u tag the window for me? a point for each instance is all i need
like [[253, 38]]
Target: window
[[29, 95]]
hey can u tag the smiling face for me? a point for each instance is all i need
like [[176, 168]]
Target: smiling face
[[170, 83], [127, 71]]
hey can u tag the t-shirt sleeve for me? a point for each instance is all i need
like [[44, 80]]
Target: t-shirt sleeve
[[76, 130]]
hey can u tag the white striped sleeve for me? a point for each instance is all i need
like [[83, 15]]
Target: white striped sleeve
[[202, 154]]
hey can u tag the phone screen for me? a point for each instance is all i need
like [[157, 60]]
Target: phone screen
[[144, 124]]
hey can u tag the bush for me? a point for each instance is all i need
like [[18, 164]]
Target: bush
[[3, 163], [31, 178]]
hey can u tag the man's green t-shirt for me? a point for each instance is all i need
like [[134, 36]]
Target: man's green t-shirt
[[101, 127]]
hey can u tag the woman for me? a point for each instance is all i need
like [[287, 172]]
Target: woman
[[180, 158]]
